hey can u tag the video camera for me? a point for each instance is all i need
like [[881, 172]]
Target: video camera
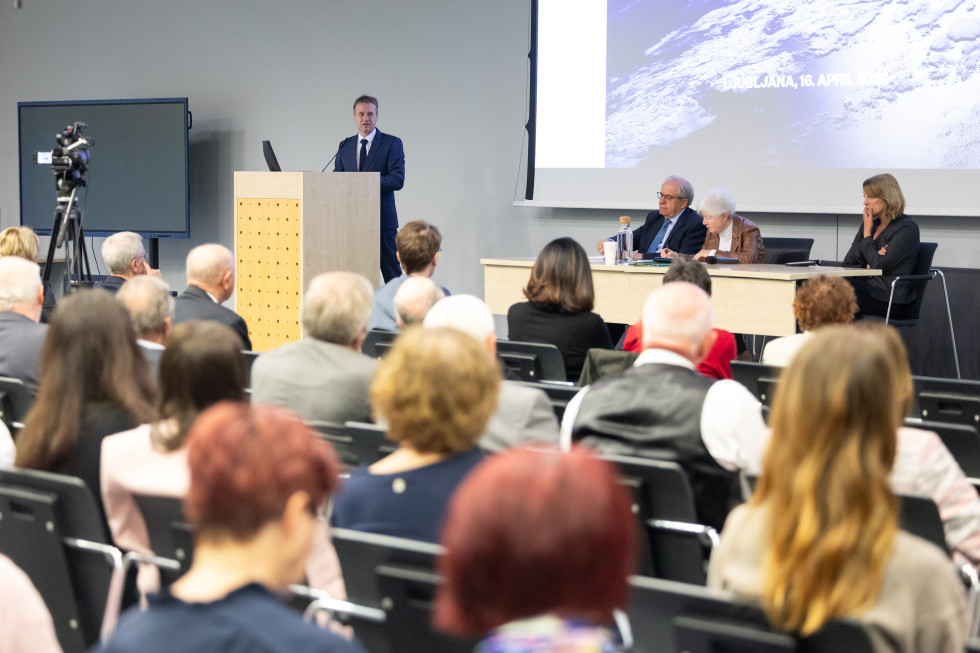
[[69, 161]]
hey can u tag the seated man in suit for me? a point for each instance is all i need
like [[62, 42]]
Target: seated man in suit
[[418, 245], [524, 415], [662, 408], [125, 258], [324, 376], [151, 309], [674, 226], [414, 299], [210, 282], [21, 336]]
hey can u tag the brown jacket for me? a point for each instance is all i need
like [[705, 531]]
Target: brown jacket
[[747, 244]]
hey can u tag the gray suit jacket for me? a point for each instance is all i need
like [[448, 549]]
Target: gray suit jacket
[[316, 380], [195, 304], [523, 417], [21, 339]]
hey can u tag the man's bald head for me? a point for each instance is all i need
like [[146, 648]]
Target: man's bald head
[[678, 317], [468, 314], [212, 267], [150, 306], [414, 298]]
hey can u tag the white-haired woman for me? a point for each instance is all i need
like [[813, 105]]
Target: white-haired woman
[[729, 234]]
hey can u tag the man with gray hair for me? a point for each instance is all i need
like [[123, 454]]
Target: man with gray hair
[[210, 283], [21, 335], [125, 258], [524, 415], [151, 309], [413, 299], [324, 376], [674, 226], [662, 408]]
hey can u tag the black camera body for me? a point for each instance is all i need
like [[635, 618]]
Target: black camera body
[[70, 160]]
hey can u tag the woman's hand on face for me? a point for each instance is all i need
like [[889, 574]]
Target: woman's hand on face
[[869, 219]]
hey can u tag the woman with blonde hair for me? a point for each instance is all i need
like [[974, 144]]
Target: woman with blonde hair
[[819, 540]]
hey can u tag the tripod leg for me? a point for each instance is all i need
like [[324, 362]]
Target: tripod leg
[[53, 245]]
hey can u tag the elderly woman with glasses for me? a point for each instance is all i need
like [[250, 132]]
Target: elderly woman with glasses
[[729, 234]]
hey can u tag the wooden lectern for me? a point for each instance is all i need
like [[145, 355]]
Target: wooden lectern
[[290, 227]]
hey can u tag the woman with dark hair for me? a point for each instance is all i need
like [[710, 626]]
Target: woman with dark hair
[[94, 382], [258, 477], [435, 390], [201, 366], [539, 547], [559, 307], [887, 240], [819, 540]]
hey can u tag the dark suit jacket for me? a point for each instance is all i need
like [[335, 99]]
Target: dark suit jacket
[[386, 156], [21, 339], [685, 238], [747, 244], [902, 238], [112, 283], [195, 304]]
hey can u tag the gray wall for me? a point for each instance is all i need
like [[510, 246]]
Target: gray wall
[[452, 81]]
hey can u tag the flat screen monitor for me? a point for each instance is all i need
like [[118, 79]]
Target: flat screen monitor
[[137, 177]]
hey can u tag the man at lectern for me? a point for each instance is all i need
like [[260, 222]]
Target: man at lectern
[[373, 151]]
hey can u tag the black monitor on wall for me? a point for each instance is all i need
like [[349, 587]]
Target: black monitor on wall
[[138, 175]]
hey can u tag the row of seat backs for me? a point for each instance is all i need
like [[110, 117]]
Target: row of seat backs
[[531, 361]]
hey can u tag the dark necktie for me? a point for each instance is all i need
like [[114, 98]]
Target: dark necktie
[[656, 245], [360, 165]]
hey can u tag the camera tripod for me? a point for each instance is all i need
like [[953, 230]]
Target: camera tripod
[[68, 229]]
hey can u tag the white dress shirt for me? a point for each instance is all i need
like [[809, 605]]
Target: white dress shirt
[[357, 150]]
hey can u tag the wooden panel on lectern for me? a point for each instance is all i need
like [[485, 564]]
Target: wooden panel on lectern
[[292, 226], [269, 278]]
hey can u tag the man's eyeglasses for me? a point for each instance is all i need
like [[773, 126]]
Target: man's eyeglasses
[[668, 197]]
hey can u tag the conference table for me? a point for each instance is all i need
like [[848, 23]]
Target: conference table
[[747, 298]]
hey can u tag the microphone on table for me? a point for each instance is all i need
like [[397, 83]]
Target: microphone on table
[[720, 259], [340, 145]]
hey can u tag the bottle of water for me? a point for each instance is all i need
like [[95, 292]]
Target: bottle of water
[[624, 242]]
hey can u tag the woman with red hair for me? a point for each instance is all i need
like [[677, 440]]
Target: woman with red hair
[[258, 476], [539, 547]]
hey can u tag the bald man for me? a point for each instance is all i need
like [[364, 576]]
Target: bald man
[[662, 408], [414, 298], [210, 282]]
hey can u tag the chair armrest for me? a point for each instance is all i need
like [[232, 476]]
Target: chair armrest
[[707, 534]]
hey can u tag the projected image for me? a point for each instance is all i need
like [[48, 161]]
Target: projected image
[[812, 84]]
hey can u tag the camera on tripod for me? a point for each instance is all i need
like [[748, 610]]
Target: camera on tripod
[[69, 161]]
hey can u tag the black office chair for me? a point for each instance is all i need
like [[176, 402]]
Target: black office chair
[[780, 251], [339, 438], [758, 378], [673, 544], [249, 358], [922, 273], [962, 441], [532, 361], [369, 442], [15, 400], [171, 537], [949, 407], [51, 528], [375, 337]]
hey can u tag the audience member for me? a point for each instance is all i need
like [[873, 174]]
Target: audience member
[[435, 390], [258, 477], [924, 466], [820, 301], [887, 240], [22, 242], [674, 226], [94, 382], [729, 234], [414, 299], [21, 336], [125, 258], [25, 623], [559, 307], [662, 408], [418, 245], [210, 283], [524, 415], [324, 376], [151, 308], [820, 538], [717, 363], [201, 366], [539, 548]]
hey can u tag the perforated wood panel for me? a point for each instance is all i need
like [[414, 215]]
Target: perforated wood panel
[[269, 272]]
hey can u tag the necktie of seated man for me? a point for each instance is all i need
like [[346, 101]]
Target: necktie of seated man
[[656, 245], [360, 164]]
